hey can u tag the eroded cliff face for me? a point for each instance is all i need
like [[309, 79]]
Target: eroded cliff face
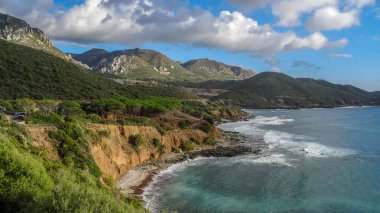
[[114, 155]]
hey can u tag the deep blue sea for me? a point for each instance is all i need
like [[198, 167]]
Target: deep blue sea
[[313, 160]]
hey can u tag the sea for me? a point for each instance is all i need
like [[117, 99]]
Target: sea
[[312, 160]]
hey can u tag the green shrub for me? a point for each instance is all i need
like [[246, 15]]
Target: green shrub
[[188, 146], [23, 179], [162, 148], [206, 127], [136, 140], [43, 118], [196, 141], [104, 133], [156, 142], [184, 124], [176, 150], [210, 141], [74, 146], [94, 118]]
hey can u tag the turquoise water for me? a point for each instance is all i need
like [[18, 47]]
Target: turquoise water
[[313, 160]]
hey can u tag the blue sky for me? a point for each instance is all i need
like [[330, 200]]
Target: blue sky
[[336, 40]]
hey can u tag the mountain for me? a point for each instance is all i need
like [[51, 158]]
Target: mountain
[[210, 69], [137, 64], [18, 31], [376, 93], [277, 90], [29, 73]]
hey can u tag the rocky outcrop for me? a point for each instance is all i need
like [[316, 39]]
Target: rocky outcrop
[[115, 155], [135, 64], [18, 31]]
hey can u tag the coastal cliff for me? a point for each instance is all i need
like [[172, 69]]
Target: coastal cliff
[[114, 154]]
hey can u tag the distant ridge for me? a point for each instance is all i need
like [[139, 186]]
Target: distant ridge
[[277, 90], [138, 64], [217, 71]]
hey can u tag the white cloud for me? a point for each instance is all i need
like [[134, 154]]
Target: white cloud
[[142, 21], [359, 3], [250, 4], [340, 55], [289, 12], [330, 18]]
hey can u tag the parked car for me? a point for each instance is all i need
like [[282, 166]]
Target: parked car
[[19, 116]]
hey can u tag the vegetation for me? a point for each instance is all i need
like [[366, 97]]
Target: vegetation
[[29, 73], [30, 183], [136, 140], [188, 146], [210, 141], [74, 146], [184, 124], [277, 90]]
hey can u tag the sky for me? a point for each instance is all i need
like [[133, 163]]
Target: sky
[[335, 40]]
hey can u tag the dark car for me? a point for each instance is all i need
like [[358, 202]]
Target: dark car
[[19, 116]]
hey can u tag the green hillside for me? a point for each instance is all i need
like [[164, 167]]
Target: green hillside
[[27, 72], [277, 90]]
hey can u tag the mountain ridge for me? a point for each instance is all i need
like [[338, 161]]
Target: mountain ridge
[[217, 70], [278, 90]]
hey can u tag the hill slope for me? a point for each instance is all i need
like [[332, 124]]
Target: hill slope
[[137, 64], [210, 69], [27, 72], [277, 90]]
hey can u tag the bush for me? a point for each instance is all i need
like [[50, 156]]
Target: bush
[[156, 142], [43, 118], [23, 179], [188, 146], [104, 133], [136, 140], [94, 118], [206, 127], [184, 124], [74, 146], [196, 141], [210, 141]]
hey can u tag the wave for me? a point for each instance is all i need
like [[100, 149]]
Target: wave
[[272, 159], [303, 145], [251, 126], [151, 195]]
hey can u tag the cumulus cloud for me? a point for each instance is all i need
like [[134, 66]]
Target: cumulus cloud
[[141, 21], [330, 18], [289, 12], [250, 4], [339, 55]]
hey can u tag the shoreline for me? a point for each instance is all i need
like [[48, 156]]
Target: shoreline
[[137, 179]]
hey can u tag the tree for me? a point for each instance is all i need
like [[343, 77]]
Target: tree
[[25, 104], [69, 108], [48, 106]]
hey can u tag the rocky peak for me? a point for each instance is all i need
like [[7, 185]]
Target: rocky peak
[[17, 30]]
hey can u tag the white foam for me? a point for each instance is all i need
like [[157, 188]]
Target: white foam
[[275, 120], [151, 194], [303, 145], [250, 127], [272, 159]]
